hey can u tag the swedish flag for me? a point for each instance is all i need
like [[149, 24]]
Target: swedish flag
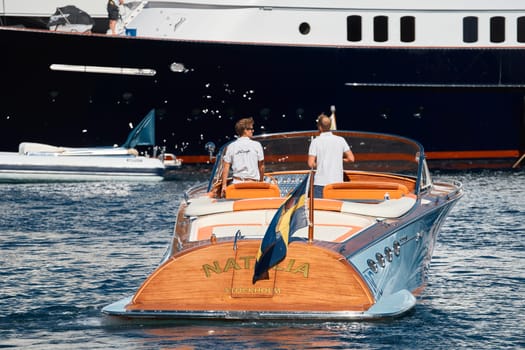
[[291, 216]]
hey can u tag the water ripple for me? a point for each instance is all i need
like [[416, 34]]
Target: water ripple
[[67, 250]]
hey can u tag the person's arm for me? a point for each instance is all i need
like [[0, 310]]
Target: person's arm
[[348, 156], [225, 172], [312, 161], [312, 154], [261, 170]]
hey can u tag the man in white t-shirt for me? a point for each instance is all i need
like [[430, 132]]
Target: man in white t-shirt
[[327, 153], [244, 156]]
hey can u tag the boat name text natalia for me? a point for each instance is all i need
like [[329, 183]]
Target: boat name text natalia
[[231, 263]]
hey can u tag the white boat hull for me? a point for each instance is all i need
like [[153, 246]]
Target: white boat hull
[[23, 168], [394, 305]]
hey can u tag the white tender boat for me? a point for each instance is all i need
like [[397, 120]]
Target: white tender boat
[[42, 162]]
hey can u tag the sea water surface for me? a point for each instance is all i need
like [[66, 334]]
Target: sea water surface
[[67, 250]]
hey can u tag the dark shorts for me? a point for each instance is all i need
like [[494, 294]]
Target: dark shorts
[[112, 12], [318, 191]]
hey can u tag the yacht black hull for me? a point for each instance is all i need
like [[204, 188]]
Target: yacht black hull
[[466, 105]]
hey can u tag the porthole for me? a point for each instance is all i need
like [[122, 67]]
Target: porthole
[[304, 28]]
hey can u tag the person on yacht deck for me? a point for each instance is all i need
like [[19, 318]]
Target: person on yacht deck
[[244, 156], [113, 14]]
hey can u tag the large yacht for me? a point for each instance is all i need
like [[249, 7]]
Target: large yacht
[[449, 73]]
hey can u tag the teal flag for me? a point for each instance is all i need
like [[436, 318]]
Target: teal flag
[[143, 134]]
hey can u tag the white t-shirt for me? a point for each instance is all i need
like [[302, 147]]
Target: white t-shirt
[[244, 155], [328, 150]]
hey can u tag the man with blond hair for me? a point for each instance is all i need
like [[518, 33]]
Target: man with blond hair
[[327, 153], [244, 156]]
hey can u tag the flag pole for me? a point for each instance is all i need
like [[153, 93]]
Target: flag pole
[[311, 207]]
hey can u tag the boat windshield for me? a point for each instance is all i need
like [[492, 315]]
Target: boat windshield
[[373, 152]]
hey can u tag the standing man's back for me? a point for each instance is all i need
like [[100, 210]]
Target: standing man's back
[[327, 153]]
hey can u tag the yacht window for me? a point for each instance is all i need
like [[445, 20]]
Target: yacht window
[[470, 29], [521, 29], [354, 28], [497, 29], [380, 28], [408, 29]]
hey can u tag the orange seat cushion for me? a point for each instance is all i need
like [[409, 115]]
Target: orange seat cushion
[[252, 189], [364, 190]]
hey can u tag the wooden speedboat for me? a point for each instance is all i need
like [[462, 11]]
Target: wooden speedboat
[[363, 254], [43, 162]]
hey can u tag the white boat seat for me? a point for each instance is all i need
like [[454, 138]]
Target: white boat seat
[[385, 209]]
